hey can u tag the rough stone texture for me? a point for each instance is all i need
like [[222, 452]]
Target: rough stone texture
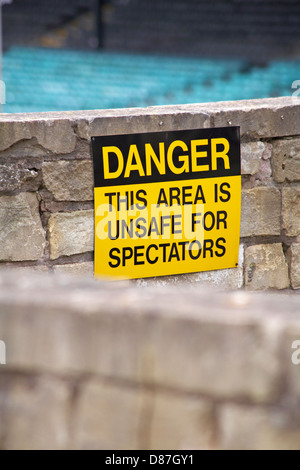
[[277, 117], [291, 211], [256, 164], [224, 279], [22, 174], [21, 234], [266, 267], [76, 269], [251, 155], [13, 131], [294, 262], [260, 212], [71, 233], [33, 424], [56, 135], [69, 180], [49, 154], [243, 428], [227, 279], [160, 118], [113, 366], [286, 160]]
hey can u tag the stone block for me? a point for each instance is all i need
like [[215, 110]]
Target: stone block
[[35, 413], [22, 237], [107, 417], [260, 214], [69, 180], [251, 155], [266, 118], [266, 267], [294, 262], [55, 135], [20, 174], [111, 416], [178, 422], [286, 160], [71, 233], [154, 119], [291, 211]]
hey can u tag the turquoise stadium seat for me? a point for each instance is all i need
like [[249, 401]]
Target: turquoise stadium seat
[[61, 80]]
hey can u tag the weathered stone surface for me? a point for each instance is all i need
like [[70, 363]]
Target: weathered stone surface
[[256, 162], [152, 119], [77, 269], [69, 180], [17, 175], [277, 117], [251, 155], [286, 160], [247, 428], [273, 117], [71, 233], [266, 267], [294, 262], [104, 421], [35, 411], [56, 135], [260, 213], [21, 234], [12, 132], [178, 422], [291, 211], [227, 279]]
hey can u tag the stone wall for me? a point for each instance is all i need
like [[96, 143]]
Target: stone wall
[[46, 185], [113, 366]]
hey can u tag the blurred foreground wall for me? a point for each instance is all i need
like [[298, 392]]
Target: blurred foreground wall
[[46, 186], [113, 366]]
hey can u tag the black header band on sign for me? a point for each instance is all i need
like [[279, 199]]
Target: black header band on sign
[[166, 156]]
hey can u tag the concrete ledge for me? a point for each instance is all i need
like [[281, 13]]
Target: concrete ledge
[[272, 117], [126, 352]]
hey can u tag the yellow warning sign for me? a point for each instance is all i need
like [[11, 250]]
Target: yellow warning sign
[[167, 203]]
